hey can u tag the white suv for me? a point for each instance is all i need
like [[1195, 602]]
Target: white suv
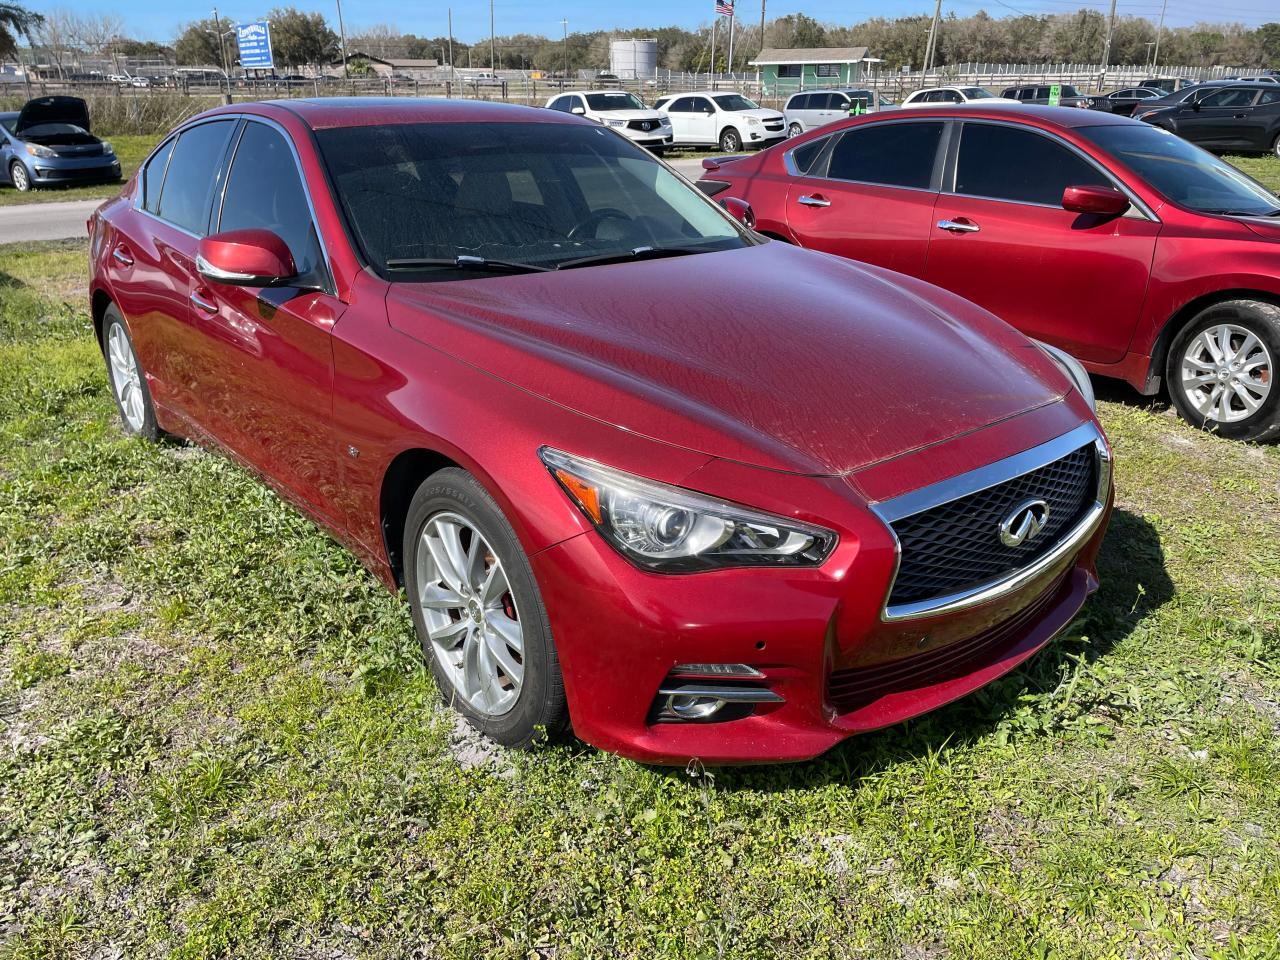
[[618, 109], [941, 96], [728, 120]]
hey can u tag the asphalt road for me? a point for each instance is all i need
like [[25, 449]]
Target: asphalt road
[[45, 221], [57, 221]]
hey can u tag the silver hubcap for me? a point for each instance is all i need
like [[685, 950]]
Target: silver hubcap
[[470, 614], [1226, 373], [124, 376], [19, 176]]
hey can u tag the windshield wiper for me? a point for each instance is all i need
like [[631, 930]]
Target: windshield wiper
[[465, 262], [639, 253], [1243, 213]]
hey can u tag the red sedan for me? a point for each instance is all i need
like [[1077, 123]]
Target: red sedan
[[501, 353], [1143, 256]]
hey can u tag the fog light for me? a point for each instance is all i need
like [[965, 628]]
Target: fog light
[[692, 706]]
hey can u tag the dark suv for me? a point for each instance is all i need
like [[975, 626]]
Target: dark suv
[[1069, 96]]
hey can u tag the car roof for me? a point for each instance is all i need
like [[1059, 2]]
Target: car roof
[[1064, 117], [613, 90], [322, 113]]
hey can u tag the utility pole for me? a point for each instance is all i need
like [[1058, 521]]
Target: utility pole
[[1106, 47], [493, 46], [931, 48], [452, 74], [714, 20], [565, 23], [1155, 56], [762, 2], [342, 37]]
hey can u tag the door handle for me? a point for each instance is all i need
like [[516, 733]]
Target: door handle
[[1240, 116], [202, 304], [958, 226], [121, 256], [817, 200]]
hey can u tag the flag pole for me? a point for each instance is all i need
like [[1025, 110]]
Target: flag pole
[[729, 65], [714, 20]]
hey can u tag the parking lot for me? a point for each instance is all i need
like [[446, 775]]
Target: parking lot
[[218, 736]]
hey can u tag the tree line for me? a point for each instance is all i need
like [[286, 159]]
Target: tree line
[[308, 39]]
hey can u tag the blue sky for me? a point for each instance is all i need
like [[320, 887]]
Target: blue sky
[[146, 18]]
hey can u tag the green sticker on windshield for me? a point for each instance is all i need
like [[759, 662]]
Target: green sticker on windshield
[[1055, 95]]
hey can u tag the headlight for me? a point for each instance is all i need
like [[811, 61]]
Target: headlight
[[673, 530], [615, 123], [107, 149], [1074, 371], [753, 121], [38, 151]]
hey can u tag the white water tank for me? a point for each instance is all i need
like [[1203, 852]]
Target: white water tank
[[633, 59]]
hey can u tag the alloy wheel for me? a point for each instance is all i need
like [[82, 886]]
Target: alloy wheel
[[1227, 373], [794, 130], [470, 614], [730, 141], [18, 177], [125, 377]]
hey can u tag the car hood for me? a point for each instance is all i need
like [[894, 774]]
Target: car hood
[[628, 114], [762, 113], [44, 110], [769, 355]]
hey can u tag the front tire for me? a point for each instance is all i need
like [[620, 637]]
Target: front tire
[[730, 140], [479, 615], [127, 378], [19, 177], [794, 130], [1275, 147], [1221, 370]]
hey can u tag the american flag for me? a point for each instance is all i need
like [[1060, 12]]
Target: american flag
[[724, 8]]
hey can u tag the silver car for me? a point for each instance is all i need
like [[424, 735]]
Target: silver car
[[804, 111]]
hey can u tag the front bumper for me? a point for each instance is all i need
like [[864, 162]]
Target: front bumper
[[762, 137], [818, 638], [58, 171]]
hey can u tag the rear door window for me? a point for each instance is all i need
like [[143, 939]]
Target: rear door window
[[153, 176], [1005, 163], [194, 171], [891, 154], [1233, 97]]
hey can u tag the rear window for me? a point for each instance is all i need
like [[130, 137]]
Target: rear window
[[892, 154]]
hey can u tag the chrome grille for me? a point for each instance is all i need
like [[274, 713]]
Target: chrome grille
[[956, 546]]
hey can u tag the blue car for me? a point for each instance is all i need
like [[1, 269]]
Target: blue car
[[48, 143]]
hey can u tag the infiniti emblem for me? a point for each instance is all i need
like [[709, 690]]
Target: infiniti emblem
[[1025, 521]]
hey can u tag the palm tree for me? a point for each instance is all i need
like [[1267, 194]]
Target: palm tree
[[15, 20]]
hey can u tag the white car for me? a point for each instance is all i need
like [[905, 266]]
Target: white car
[[623, 111], [817, 108], [940, 96], [727, 120]]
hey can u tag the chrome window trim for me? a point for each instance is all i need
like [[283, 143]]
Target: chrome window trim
[[1137, 208], [175, 136], [1001, 471]]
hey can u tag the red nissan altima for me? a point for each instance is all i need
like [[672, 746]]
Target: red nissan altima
[[1143, 256], [692, 491]]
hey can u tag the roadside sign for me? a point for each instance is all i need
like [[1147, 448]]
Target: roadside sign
[[1055, 95], [255, 45]]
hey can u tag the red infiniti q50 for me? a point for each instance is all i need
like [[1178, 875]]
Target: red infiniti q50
[[505, 356], [1142, 255]]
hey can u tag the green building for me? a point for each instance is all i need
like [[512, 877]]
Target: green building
[[811, 68]]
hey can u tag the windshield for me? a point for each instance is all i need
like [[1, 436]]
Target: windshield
[[1184, 173], [975, 93], [614, 101], [8, 123], [732, 101], [529, 194]]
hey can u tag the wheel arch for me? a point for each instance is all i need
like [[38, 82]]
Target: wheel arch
[[406, 472], [1184, 315], [99, 300]]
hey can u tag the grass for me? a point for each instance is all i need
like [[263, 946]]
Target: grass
[[217, 739], [132, 149]]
